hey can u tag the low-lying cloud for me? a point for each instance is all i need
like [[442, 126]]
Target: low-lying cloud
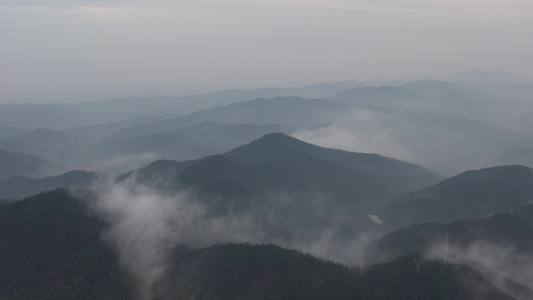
[[145, 226], [495, 262]]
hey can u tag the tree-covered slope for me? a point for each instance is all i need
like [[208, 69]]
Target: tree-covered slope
[[242, 271], [472, 194], [51, 249], [304, 184]]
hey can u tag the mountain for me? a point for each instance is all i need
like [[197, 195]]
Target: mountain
[[52, 249], [278, 148], [505, 230], [191, 142], [296, 182], [20, 187], [286, 111], [500, 247], [277, 160], [62, 116], [472, 194], [432, 279], [434, 89], [242, 271], [19, 164], [42, 142], [97, 132], [290, 111], [385, 97]]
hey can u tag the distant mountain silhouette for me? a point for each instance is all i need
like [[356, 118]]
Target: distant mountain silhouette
[[19, 164], [191, 142], [42, 142], [60, 116], [472, 194], [20, 187], [385, 97], [286, 111]]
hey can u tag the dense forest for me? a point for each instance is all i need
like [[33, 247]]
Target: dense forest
[[243, 271], [52, 249]]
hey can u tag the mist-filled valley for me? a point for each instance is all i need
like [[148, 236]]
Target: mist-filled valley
[[346, 190]]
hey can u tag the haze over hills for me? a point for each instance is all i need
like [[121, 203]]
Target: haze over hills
[[19, 164], [500, 247], [226, 270], [196, 141], [20, 187], [321, 188], [477, 75], [61, 116], [221, 271], [387, 98], [286, 111], [215, 222], [436, 124]]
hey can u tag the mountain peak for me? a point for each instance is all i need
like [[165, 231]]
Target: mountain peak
[[269, 145]]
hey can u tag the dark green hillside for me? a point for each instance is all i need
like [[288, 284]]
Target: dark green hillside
[[396, 175], [472, 194], [50, 249], [503, 230], [433, 280], [283, 162], [218, 175], [242, 271]]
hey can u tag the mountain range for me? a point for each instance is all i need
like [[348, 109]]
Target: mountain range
[[246, 194], [472, 194]]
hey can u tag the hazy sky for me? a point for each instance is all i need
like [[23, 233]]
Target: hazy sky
[[91, 50]]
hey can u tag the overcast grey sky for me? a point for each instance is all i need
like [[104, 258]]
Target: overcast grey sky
[[60, 50]]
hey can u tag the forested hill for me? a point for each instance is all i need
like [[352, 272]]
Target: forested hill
[[51, 249], [471, 194], [242, 271]]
